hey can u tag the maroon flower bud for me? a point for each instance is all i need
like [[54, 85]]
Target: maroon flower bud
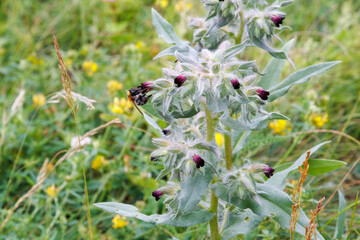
[[198, 161], [157, 194], [277, 20], [154, 159], [179, 80], [146, 86], [263, 94], [235, 83], [268, 171], [166, 132]]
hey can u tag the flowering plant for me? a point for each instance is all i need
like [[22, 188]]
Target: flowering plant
[[210, 88]]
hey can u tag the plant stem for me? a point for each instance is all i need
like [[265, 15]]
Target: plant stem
[[228, 152], [210, 130]]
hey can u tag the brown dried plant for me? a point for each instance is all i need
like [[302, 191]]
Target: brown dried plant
[[310, 231], [298, 191]]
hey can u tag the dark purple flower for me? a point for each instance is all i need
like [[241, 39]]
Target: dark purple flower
[[263, 94], [153, 159], [157, 194], [198, 161], [146, 86], [179, 80], [166, 132], [277, 20], [235, 83], [268, 171]]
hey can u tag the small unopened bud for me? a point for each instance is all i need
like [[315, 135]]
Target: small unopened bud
[[179, 80], [157, 194], [154, 159], [268, 171], [263, 94], [277, 20], [166, 132], [161, 142], [196, 23], [198, 161], [235, 83]]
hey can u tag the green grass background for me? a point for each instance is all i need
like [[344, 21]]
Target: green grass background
[[108, 33]]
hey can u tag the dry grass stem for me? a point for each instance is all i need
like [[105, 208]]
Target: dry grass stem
[[310, 231], [297, 192]]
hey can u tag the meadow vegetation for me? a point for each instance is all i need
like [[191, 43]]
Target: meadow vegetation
[[107, 47]]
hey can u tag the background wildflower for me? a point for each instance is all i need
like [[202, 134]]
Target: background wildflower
[[39, 100], [52, 191], [121, 106], [219, 138], [280, 127], [90, 67], [98, 162], [114, 86], [318, 120], [119, 222]]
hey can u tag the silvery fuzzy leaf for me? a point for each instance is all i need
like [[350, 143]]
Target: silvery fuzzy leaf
[[183, 58], [274, 68], [152, 122], [242, 223], [300, 76], [261, 43], [193, 188], [211, 147], [233, 51], [164, 29], [279, 178], [215, 104], [169, 162], [176, 48]]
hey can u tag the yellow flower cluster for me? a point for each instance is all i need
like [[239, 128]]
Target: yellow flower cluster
[[121, 106], [318, 120], [140, 45], [114, 86], [98, 162], [52, 191], [219, 138], [181, 5], [39, 100], [119, 222], [34, 60], [280, 126], [90, 67]]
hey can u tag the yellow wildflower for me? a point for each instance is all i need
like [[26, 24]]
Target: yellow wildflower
[[114, 86], [121, 106], [280, 126], [34, 60], [52, 191], [119, 222], [179, 6], [162, 3], [140, 45], [219, 138], [318, 120], [98, 162], [90, 67], [39, 100]]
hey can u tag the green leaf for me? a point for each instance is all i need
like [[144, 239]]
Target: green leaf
[[279, 178], [185, 114], [340, 224], [261, 43], [320, 166], [240, 224], [164, 29], [298, 77], [274, 68]]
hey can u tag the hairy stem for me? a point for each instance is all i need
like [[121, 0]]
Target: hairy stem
[[228, 152], [210, 130]]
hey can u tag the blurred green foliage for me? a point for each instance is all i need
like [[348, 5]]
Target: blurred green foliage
[[118, 37]]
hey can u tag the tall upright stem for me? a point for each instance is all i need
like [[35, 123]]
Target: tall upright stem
[[210, 130], [228, 152]]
